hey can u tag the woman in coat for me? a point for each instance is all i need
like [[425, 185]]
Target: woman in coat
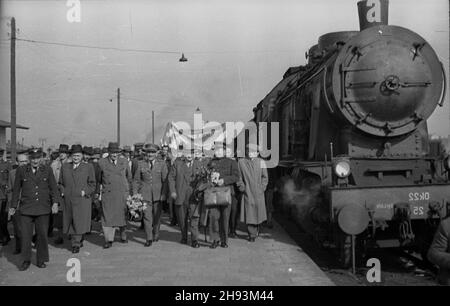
[[77, 181]]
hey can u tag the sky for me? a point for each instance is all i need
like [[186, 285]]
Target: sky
[[237, 52]]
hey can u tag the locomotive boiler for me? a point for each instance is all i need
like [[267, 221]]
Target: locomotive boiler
[[354, 148]]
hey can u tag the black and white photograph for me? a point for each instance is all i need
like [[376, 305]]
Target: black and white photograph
[[224, 148]]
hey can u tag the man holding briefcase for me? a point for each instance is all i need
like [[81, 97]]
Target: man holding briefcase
[[219, 215]]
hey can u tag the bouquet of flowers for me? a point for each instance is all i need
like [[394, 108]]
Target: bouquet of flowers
[[136, 207]]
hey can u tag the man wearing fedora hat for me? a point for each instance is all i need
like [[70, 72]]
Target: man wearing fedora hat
[[56, 165], [96, 206], [115, 181], [77, 181], [181, 179], [87, 153], [35, 187], [149, 180]]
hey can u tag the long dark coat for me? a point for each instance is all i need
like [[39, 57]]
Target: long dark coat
[[77, 209], [255, 179], [180, 181], [115, 181]]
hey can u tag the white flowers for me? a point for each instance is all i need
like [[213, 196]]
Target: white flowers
[[136, 206], [215, 176]]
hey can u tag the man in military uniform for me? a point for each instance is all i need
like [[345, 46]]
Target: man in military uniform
[[22, 160], [35, 186], [5, 168], [148, 181]]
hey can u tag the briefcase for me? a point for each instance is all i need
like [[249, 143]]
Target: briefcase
[[214, 196]]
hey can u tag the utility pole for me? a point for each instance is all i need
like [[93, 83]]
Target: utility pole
[[118, 116], [13, 89], [153, 127]]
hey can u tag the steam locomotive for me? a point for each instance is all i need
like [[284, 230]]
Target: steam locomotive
[[353, 137]]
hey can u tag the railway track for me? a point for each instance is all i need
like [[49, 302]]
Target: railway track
[[398, 268]]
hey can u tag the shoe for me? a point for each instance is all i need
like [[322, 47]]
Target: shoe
[[148, 243], [195, 244], [183, 241], [124, 240], [223, 245], [59, 240], [270, 225], [252, 239], [214, 245], [156, 239], [173, 223], [25, 265], [41, 265], [17, 252], [75, 249], [107, 245], [232, 235]]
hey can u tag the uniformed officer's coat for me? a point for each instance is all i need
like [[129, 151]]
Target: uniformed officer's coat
[[5, 168], [254, 177], [37, 192], [180, 181], [149, 181], [77, 209], [115, 180]]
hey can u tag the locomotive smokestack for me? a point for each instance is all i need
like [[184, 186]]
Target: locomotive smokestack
[[372, 13]]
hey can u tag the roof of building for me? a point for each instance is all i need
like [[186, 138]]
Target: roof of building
[[7, 124]]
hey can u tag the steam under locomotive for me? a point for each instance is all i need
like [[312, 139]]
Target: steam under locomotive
[[354, 140]]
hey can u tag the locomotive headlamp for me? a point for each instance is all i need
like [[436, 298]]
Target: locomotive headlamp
[[342, 168]]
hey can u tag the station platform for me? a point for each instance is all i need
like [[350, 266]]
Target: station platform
[[273, 260]]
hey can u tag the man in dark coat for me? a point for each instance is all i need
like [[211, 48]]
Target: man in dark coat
[[181, 178], [22, 160], [96, 205], [77, 181], [149, 180], [56, 221], [5, 168], [35, 186], [439, 252], [219, 217], [115, 187]]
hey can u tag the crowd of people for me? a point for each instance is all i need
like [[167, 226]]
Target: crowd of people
[[68, 189]]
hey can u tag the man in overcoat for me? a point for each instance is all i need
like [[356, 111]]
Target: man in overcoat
[[56, 221], [115, 183], [253, 182], [77, 181], [35, 186], [181, 178], [149, 180]]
